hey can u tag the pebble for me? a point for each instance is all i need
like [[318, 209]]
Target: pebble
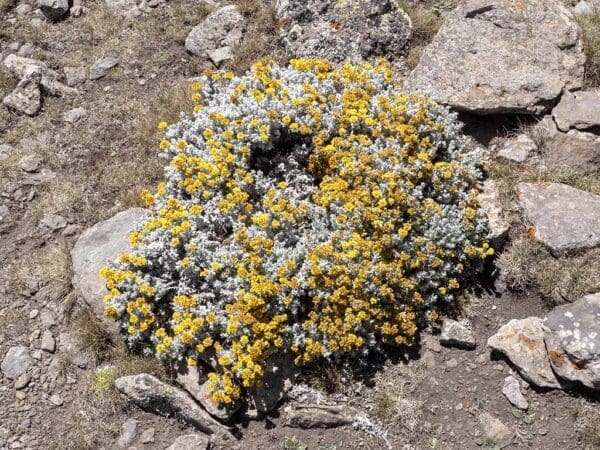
[[147, 436], [29, 164], [48, 342], [451, 363], [22, 382], [128, 432], [33, 313], [56, 400]]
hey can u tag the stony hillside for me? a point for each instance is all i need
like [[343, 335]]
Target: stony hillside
[[88, 88]]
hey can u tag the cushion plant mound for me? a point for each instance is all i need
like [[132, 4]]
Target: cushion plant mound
[[306, 210]]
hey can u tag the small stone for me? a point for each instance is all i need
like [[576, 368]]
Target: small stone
[[54, 9], [190, 441], [33, 313], [100, 68], [496, 430], [22, 382], [23, 9], [48, 342], [16, 362], [579, 110], [452, 363], [128, 433], [489, 199], [517, 149], [458, 334], [220, 54], [75, 75], [71, 230], [147, 436], [48, 318], [26, 97], [20, 395], [4, 212], [583, 8], [29, 163], [512, 391], [318, 416], [51, 223], [56, 400], [76, 11], [221, 28], [74, 115], [26, 50]]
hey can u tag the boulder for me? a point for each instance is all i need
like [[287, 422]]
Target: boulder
[[580, 110], [54, 9], [522, 341], [344, 31], [279, 378], [572, 336], [19, 67], [489, 199], [26, 98], [221, 28], [458, 334], [561, 217], [193, 441], [502, 56], [318, 416], [152, 395], [96, 247], [16, 362]]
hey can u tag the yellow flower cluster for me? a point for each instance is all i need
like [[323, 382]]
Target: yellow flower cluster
[[306, 210]]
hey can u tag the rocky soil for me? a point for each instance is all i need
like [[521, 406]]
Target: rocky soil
[[516, 364]]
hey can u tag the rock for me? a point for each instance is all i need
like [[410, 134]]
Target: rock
[[48, 318], [96, 247], [220, 54], [573, 152], [5, 151], [147, 436], [190, 442], [122, 6], [583, 8], [501, 56], [221, 28], [48, 342], [26, 98], [29, 163], [522, 341], [22, 382], [56, 400], [54, 9], [580, 110], [279, 378], [75, 75], [451, 363], [350, 30], [512, 391], [221, 412], [572, 336], [4, 212], [16, 362], [20, 67], [23, 9], [489, 199], [100, 68], [74, 115], [76, 11], [26, 50], [318, 416], [152, 395], [458, 334], [51, 223], [561, 217], [517, 148], [495, 429], [128, 433]]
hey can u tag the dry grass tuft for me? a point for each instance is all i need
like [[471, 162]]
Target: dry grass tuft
[[182, 18], [7, 5], [590, 27], [588, 424], [92, 335]]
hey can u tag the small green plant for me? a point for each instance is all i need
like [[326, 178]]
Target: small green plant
[[103, 379], [292, 443]]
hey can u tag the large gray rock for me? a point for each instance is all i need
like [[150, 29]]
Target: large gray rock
[[350, 30], [580, 110], [26, 98], [152, 395], [318, 416], [54, 9], [16, 362], [19, 66], [280, 375], [498, 225], [502, 56], [221, 28], [572, 336], [522, 341], [96, 247], [573, 152], [562, 218]]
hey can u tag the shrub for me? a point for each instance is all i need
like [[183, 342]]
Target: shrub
[[306, 210]]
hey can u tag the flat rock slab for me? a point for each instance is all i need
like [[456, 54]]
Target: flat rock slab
[[502, 56], [344, 30], [16, 362], [580, 110], [522, 341], [563, 218], [318, 416], [575, 151], [96, 247], [151, 394], [572, 336]]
